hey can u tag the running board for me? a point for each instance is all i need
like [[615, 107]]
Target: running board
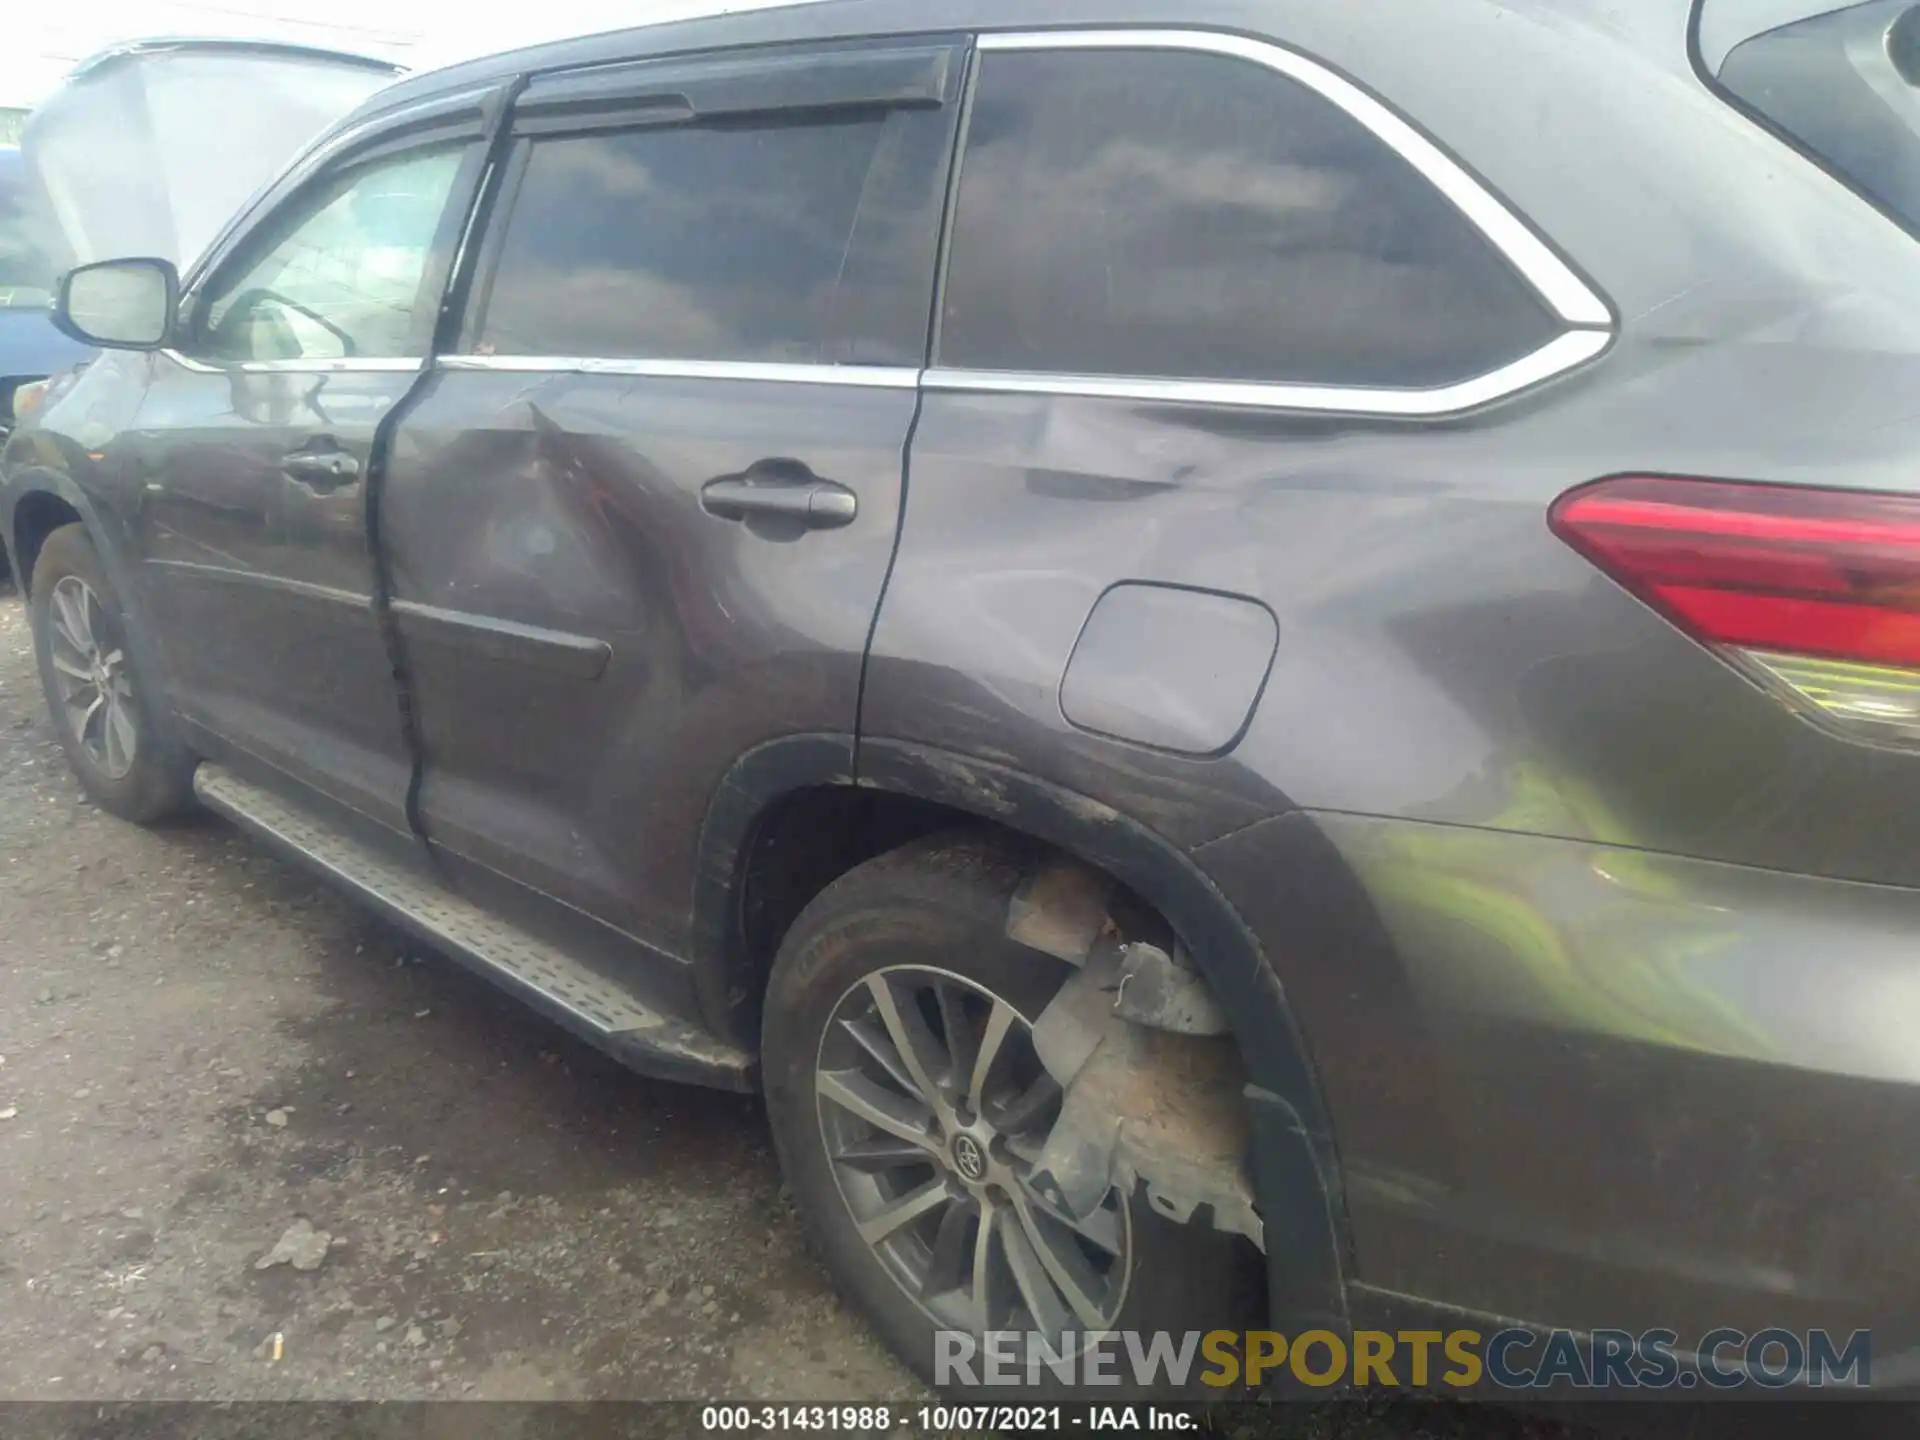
[[597, 1009]]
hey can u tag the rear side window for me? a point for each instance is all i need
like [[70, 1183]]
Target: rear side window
[[747, 241], [1838, 79], [1159, 213]]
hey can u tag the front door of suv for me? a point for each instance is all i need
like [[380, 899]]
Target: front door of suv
[[250, 458], [639, 524]]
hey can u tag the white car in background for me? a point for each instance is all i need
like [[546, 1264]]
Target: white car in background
[[138, 152]]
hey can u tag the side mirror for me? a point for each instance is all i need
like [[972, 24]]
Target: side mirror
[[119, 304]]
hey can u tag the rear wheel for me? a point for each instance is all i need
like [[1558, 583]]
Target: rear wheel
[[103, 710], [909, 1106]]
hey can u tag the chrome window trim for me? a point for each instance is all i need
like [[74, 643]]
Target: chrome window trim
[[1570, 349], [346, 365], [881, 377], [1565, 293], [1574, 347]]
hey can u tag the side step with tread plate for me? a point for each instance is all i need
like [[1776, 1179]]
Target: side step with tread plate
[[586, 1002]]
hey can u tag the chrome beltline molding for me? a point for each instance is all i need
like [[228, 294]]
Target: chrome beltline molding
[[1557, 356], [348, 366], [884, 377]]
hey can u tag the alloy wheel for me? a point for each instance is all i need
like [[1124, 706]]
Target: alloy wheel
[[934, 1106], [90, 670]]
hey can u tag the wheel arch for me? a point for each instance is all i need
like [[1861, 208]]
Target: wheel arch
[[1294, 1160], [33, 515], [39, 502]]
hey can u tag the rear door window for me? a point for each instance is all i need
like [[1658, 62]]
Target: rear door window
[[786, 237], [1838, 80], [1161, 213]]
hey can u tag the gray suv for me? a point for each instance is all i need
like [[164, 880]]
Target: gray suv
[[1191, 632]]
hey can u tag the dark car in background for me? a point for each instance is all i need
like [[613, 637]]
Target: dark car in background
[[1186, 630]]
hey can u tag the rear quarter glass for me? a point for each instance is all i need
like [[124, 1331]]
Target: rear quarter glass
[[1837, 80], [1167, 213]]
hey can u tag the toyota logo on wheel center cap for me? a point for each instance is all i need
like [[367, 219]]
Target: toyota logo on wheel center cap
[[968, 1158]]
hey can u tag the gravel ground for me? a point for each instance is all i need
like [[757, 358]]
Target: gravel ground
[[203, 1053]]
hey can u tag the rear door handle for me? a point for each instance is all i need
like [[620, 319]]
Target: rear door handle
[[816, 504], [321, 470]]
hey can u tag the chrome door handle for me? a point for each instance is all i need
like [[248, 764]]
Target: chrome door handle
[[816, 504], [321, 470]]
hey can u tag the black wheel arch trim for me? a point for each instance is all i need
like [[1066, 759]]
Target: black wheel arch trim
[[751, 787], [106, 543], [37, 481], [1294, 1162]]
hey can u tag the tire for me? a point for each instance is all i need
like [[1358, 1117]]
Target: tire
[[126, 760], [940, 905]]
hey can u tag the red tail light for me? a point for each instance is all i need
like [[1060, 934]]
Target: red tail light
[[1816, 591]]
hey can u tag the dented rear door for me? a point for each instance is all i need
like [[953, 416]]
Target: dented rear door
[[639, 522]]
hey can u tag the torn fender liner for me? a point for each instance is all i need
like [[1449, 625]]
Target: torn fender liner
[[1162, 992], [1077, 1019], [1064, 909], [1142, 1106], [1061, 910]]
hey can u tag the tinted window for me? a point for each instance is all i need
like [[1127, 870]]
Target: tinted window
[[745, 241], [1842, 84], [346, 279], [1161, 213]]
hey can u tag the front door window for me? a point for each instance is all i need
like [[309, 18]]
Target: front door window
[[344, 281]]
